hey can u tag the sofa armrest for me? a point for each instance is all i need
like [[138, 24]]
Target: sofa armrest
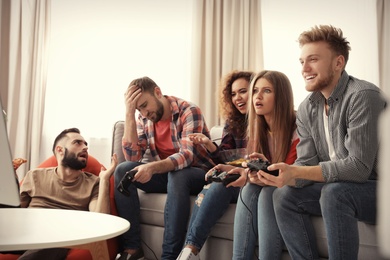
[[216, 134], [116, 146]]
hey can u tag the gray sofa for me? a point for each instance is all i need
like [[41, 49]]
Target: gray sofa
[[220, 242]]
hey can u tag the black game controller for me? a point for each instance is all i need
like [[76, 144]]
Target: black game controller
[[125, 182], [259, 164], [224, 177]]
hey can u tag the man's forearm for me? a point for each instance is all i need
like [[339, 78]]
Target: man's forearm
[[313, 173], [103, 201], [162, 166], [130, 130]]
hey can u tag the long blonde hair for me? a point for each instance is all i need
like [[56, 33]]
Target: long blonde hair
[[283, 118]]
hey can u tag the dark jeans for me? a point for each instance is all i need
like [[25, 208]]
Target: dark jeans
[[50, 253], [178, 185]]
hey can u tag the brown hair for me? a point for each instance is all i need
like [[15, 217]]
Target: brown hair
[[283, 115], [234, 118], [146, 84], [63, 134], [329, 34]]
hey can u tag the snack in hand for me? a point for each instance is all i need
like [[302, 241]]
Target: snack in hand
[[237, 162], [17, 162]]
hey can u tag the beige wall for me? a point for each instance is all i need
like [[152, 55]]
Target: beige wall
[[283, 21]]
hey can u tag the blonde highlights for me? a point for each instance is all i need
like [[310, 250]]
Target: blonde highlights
[[331, 35]]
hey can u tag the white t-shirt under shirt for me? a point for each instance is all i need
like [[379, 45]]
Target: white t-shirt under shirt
[[332, 153]]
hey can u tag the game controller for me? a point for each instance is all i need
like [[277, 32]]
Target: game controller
[[125, 182], [224, 177], [259, 164]]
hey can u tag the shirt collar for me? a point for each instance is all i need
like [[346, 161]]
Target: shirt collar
[[337, 92]]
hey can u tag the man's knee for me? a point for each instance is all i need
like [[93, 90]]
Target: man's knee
[[333, 194], [185, 177], [286, 198], [122, 168], [280, 195]]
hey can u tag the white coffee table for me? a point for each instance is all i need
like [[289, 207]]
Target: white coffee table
[[32, 228]]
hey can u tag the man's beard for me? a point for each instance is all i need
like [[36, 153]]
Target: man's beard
[[159, 112], [70, 160], [325, 82]]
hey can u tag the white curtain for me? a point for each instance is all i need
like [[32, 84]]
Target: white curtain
[[29, 27], [227, 36], [5, 7], [383, 7]]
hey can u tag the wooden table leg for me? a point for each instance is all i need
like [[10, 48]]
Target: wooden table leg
[[99, 249]]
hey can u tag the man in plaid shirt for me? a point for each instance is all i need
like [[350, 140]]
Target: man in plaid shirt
[[178, 167]]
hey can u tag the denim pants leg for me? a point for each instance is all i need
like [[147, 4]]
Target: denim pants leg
[[245, 222], [181, 184], [128, 206], [293, 208], [209, 206], [270, 239], [342, 205]]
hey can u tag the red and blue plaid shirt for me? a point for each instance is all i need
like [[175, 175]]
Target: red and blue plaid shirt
[[187, 118]]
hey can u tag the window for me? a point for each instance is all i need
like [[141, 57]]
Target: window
[[97, 48]]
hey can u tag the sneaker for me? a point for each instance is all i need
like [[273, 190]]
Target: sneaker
[[186, 254], [138, 255]]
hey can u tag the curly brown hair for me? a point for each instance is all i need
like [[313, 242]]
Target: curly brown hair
[[234, 118]]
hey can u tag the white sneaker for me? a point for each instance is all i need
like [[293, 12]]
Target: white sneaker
[[186, 254]]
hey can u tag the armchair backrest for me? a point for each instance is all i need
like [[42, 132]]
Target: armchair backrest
[[93, 165]]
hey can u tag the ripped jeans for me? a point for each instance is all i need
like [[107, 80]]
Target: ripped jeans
[[211, 203]]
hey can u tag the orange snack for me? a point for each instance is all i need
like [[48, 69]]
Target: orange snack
[[17, 162]]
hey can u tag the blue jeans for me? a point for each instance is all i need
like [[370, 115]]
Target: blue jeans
[[207, 210], [341, 205], [178, 185], [255, 221]]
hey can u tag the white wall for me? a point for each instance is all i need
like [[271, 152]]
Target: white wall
[[284, 20], [97, 48]]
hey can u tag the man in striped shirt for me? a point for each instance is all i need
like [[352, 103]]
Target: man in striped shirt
[[335, 174], [178, 167]]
